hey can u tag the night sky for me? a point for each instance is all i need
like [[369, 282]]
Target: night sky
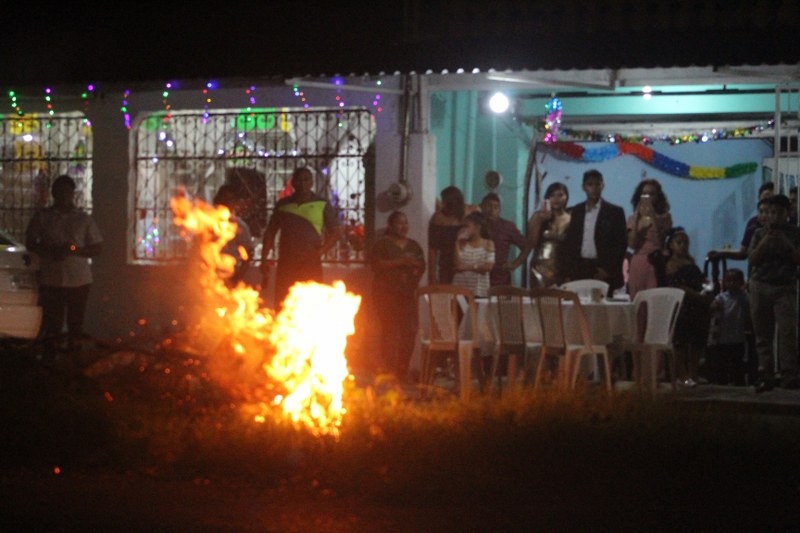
[[197, 40], [208, 40]]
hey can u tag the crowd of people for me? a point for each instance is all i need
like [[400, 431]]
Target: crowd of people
[[741, 331]]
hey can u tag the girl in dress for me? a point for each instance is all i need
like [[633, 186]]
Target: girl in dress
[[691, 328], [474, 255], [547, 228], [647, 229]]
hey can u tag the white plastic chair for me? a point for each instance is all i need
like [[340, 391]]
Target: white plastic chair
[[439, 331], [550, 304], [584, 287], [656, 312], [509, 306]]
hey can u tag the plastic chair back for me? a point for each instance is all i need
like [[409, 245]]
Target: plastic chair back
[[508, 304], [583, 287], [551, 316], [656, 314]]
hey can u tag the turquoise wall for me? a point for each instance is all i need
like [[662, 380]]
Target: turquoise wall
[[470, 141]]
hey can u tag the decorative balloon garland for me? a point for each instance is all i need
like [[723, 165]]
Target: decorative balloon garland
[[660, 161]]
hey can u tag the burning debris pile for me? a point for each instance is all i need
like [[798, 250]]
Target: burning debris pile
[[290, 365]]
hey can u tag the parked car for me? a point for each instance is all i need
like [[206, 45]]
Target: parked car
[[20, 314]]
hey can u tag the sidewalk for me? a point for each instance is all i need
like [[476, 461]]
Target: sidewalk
[[744, 399]]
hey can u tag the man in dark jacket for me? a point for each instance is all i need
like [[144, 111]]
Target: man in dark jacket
[[596, 240]]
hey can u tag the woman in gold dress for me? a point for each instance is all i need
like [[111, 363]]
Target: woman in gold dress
[[546, 230]]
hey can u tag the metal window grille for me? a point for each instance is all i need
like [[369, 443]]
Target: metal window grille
[[194, 152], [34, 150]]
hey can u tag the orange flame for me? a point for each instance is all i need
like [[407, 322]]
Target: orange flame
[[308, 337]]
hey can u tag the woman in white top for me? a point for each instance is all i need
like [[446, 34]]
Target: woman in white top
[[474, 255]]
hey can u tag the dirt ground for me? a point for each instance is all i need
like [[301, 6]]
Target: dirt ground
[[127, 503], [605, 487]]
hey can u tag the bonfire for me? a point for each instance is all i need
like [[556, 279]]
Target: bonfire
[[296, 356]]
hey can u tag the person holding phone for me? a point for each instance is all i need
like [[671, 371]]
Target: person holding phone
[[647, 229], [547, 229]]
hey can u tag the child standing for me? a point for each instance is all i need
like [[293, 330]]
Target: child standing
[[731, 312], [474, 252], [691, 327]]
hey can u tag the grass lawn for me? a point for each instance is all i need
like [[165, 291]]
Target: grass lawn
[[153, 441]]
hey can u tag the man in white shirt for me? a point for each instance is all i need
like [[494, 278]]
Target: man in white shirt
[[65, 238], [595, 243]]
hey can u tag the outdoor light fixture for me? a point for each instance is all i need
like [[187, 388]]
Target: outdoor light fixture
[[499, 103]]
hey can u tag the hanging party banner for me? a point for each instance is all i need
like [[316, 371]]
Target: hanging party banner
[[648, 155]]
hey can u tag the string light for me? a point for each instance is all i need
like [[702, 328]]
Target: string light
[[338, 82], [300, 94], [126, 117], [165, 101], [251, 97], [553, 120], [14, 104], [86, 94], [714, 134], [48, 101], [207, 95]]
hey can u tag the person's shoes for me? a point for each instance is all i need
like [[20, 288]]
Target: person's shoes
[[764, 384], [688, 383]]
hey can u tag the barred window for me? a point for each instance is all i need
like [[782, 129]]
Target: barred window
[[256, 150], [34, 150]]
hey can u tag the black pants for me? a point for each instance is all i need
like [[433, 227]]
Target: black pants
[[58, 303]]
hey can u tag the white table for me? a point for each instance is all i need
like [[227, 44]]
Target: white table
[[609, 321]]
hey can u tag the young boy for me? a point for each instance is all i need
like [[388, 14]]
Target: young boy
[[773, 257], [730, 310]]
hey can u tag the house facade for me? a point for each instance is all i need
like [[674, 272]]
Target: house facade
[[377, 143]]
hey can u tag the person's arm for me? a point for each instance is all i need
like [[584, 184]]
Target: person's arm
[[525, 248], [267, 242], [758, 248], [635, 236], [433, 251], [332, 236], [433, 260], [458, 264], [419, 262], [488, 264], [535, 228]]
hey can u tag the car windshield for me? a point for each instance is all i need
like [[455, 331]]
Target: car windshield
[[5, 240]]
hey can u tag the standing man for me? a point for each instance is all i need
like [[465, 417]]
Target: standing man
[[308, 228], [774, 256], [65, 238], [596, 239], [504, 233]]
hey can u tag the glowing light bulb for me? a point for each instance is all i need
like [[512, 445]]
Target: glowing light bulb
[[499, 103]]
